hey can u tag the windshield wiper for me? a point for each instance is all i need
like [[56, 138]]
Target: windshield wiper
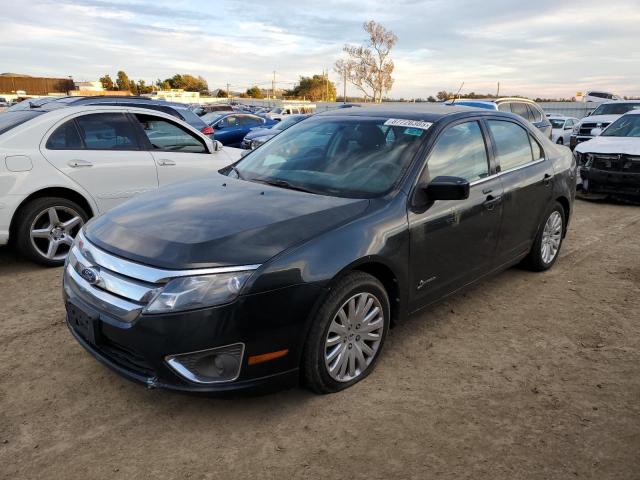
[[282, 184], [236, 171]]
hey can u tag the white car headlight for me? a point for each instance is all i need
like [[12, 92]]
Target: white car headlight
[[576, 129], [188, 293]]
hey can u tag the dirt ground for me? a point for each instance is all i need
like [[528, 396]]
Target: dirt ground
[[526, 376]]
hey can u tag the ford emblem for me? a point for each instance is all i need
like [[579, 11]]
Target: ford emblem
[[90, 274]]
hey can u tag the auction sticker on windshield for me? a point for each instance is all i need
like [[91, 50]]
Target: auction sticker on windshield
[[400, 122]]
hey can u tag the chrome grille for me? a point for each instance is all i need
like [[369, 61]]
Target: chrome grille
[[585, 128]]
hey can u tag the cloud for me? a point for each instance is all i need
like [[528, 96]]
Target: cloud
[[543, 48]]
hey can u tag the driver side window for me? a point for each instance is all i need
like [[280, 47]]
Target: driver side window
[[460, 151], [167, 136]]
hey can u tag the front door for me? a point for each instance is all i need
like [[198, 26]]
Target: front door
[[454, 241], [179, 154], [527, 181], [101, 152]]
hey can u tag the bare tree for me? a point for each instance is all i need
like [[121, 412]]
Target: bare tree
[[369, 67]]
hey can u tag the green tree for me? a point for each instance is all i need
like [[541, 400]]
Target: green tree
[[315, 88], [187, 82], [122, 81], [443, 95], [221, 93], [254, 92], [431, 98], [107, 82], [142, 87]]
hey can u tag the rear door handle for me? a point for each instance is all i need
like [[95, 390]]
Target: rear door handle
[[79, 163], [164, 162], [491, 201]]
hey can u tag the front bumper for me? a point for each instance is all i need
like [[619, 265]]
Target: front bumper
[[136, 348], [603, 181]]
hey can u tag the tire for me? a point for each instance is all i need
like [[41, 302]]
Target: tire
[[356, 287], [551, 234], [36, 217]]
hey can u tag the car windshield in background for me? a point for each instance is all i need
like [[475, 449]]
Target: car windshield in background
[[9, 120], [212, 117], [616, 108], [348, 157], [627, 126], [287, 122], [556, 123]]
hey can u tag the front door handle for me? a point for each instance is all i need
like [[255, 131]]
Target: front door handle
[[79, 163], [491, 201], [164, 162], [547, 179]]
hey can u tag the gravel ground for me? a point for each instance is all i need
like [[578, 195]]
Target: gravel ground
[[523, 376]]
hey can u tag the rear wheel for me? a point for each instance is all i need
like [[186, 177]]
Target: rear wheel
[[46, 228], [548, 241], [347, 334]]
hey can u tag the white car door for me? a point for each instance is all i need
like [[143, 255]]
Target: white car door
[[102, 153], [179, 153]]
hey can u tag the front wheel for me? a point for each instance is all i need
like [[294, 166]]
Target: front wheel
[[548, 241], [347, 334], [46, 227]]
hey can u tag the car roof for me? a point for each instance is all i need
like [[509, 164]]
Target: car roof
[[613, 102], [633, 112], [430, 112]]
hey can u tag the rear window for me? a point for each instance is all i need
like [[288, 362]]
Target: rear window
[[9, 120]]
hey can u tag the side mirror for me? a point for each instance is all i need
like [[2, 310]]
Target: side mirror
[[441, 188], [589, 114], [217, 145], [219, 125], [568, 128], [244, 153]]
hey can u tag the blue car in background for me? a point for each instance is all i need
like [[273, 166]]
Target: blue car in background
[[258, 136], [231, 127]]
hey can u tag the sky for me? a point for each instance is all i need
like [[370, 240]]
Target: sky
[[534, 48]]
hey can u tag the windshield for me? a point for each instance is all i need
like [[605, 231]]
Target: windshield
[[9, 120], [615, 108], [556, 123], [348, 157], [287, 122], [212, 117], [626, 126], [277, 110]]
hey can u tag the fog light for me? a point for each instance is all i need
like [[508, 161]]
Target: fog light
[[221, 364]]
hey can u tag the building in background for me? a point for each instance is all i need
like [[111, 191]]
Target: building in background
[[15, 84]]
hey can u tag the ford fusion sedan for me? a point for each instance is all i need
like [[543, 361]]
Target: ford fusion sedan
[[294, 262], [61, 165], [610, 163]]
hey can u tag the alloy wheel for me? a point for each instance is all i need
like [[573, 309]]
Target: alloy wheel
[[551, 237], [53, 230], [354, 336]]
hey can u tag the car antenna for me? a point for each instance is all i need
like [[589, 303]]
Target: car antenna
[[457, 94]]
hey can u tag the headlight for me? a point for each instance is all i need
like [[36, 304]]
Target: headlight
[[188, 293], [576, 129]]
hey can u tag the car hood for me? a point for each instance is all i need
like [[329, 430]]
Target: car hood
[[217, 222], [623, 145], [258, 132], [600, 119]]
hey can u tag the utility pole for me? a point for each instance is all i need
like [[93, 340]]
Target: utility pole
[[498, 92], [227, 91], [326, 84], [344, 87], [273, 85]]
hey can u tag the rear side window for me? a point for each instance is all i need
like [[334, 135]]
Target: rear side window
[[522, 110], [167, 136], [460, 152], [504, 107], [11, 119], [65, 137], [534, 114], [512, 144], [107, 131]]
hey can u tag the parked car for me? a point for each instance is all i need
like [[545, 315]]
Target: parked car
[[178, 110], [60, 166], [610, 162], [606, 113], [523, 107], [296, 260], [231, 128], [258, 136], [593, 96], [201, 110], [562, 127], [278, 113]]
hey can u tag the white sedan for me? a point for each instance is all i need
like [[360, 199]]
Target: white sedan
[[561, 128], [60, 166]]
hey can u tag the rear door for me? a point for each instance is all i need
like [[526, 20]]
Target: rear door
[[103, 154], [178, 153], [454, 241], [527, 178]]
